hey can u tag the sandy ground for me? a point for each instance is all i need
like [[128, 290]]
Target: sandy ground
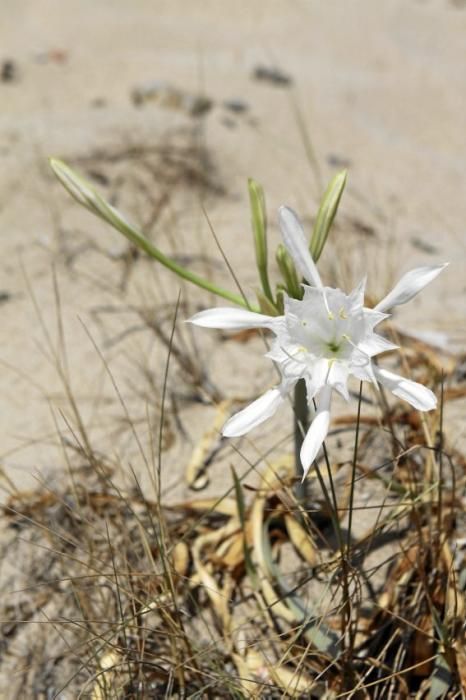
[[380, 87]]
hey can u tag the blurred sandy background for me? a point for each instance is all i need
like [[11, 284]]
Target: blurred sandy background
[[380, 87]]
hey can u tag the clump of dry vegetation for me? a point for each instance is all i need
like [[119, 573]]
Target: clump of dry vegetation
[[251, 594]]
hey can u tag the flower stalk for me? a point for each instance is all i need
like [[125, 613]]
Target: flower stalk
[[301, 426]]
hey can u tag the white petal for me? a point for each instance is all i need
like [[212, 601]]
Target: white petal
[[295, 242], [373, 318], [409, 285], [317, 378], [364, 372], [338, 378], [416, 394], [253, 415], [318, 430], [375, 344], [234, 319], [357, 295]]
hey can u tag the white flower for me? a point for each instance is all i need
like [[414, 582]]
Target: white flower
[[324, 339]]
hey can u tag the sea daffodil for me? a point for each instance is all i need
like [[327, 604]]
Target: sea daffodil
[[323, 338]]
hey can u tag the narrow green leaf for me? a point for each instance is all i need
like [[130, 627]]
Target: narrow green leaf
[[326, 214], [88, 197], [313, 627], [280, 299], [248, 562], [259, 229], [266, 305], [289, 274]]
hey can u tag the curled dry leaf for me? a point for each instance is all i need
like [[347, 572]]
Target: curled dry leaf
[[180, 558], [254, 667], [223, 506], [110, 668], [196, 470], [284, 604], [301, 539], [219, 597]]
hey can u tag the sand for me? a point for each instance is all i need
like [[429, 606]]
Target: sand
[[380, 90]]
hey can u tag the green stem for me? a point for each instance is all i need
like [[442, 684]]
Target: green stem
[[301, 425], [264, 277], [353, 476]]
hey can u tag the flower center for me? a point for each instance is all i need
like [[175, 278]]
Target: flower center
[[333, 346]]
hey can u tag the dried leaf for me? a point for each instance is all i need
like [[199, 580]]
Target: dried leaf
[[296, 683], [223, 506], [314, 629], [180, 558], [254, 667], [301, 539], [245, 541], [195, 471], [109, 663]]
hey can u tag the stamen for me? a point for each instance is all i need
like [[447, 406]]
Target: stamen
[[299, 349], [330, 314], [342, 314], [367, 357], [330, 362]]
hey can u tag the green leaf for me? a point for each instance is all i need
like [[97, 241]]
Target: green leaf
[[266, 306], [326, 214], [259, 229], [289, 274], [313, 628], [88, 197], [248, 562]]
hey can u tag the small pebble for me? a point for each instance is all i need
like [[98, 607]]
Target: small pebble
[[8, 71], [272, 75]]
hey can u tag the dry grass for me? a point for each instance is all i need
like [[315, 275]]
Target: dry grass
[[249, 594]]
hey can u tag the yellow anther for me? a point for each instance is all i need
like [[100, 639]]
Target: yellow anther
[[342, 314]]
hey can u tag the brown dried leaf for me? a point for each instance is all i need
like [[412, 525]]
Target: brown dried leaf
[[195, 471], [225, 506], [295, 683], [217, 597], [180, 558], [301, 539], [109, 665], [422, 646]]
